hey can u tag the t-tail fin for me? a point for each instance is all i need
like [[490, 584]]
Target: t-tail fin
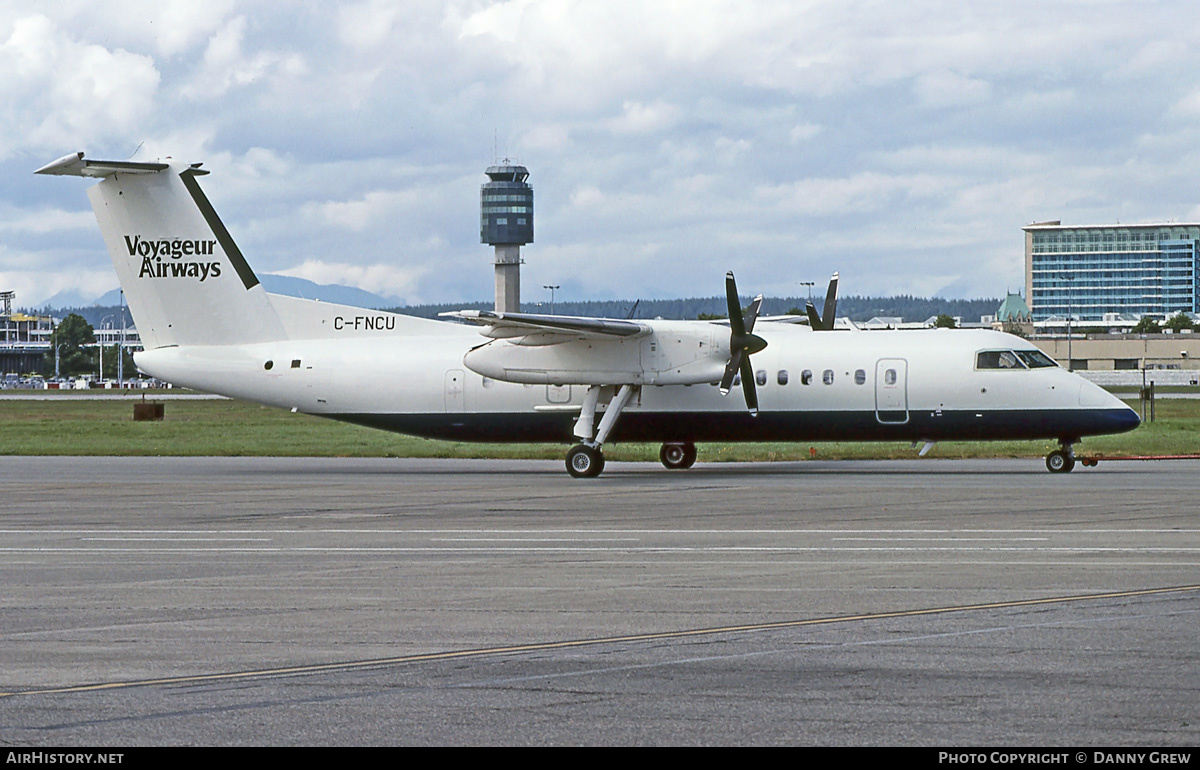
[[185, 279]]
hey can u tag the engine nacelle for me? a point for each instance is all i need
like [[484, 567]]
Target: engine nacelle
[[672, 354]]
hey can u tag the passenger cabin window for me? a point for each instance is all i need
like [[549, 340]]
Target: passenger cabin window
[[827, 377], [889, 377], [761, 376], [860, 377], [782, 377], [806, 377]]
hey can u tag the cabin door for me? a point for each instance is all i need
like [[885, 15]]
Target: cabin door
[[891, 391]]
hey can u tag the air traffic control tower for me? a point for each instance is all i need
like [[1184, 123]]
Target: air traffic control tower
[[506, 223]]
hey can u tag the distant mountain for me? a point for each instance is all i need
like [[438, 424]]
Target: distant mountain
[[71, 298], [340, 295], [275, 284]]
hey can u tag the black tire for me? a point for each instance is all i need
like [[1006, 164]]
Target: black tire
[[672, 456], [1059, 461], [584, 462], [676, 456]]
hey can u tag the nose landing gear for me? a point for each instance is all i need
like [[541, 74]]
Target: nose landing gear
[[1062, 460]]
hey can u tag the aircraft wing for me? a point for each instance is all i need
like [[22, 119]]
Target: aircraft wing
[[508, 325]]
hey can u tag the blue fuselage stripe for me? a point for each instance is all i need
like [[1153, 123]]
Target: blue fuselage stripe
[[943, 425]]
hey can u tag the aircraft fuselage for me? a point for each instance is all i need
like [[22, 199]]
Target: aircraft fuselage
[[844, 386]]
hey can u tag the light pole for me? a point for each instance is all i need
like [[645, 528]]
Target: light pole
[[54, 340], [101, 341], [1070, 286], [551, 288], [121, 346]]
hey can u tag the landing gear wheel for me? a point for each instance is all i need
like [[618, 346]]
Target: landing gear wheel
[[584, 462], [678, 456], [1059, 461]]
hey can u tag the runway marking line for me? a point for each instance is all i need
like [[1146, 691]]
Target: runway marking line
[[568, 644]]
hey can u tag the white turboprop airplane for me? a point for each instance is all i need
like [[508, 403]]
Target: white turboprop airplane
[[207, 323]]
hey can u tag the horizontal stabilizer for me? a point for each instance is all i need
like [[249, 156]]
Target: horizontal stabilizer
[[76, 165]]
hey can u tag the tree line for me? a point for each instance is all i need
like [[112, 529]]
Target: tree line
[[75, 340]]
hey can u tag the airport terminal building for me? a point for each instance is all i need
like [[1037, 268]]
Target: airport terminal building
[[1088, 271]]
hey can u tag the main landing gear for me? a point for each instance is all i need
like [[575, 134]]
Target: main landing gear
[[678, 456], [1062, 460], [586, 460]]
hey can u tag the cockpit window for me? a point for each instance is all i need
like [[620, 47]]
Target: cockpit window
[[1013, 359], [1035, 359], [997, 359]]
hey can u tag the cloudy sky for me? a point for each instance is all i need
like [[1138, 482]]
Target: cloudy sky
[[904, 144]]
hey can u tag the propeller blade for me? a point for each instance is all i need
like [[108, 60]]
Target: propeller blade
[[824, 323], [748, 388], [731, 369], [742, 344], [830, 303], [814, 320], [735, 308], [752, 314]]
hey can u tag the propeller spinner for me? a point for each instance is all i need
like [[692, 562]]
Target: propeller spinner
[[742, 344]]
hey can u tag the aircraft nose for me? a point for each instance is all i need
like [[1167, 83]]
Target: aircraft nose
[[1118, 420], [1128, 420]]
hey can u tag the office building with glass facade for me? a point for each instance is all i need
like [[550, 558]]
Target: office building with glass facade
[[1087, 271]]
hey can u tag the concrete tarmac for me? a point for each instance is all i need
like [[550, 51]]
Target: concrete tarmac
[[223, 601]]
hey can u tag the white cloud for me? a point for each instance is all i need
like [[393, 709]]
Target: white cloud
[[859, 194], [226, 65], [802, 132], [638, 118], [46, 220], [388, 280], [587, 197], [161, 27], [370, 24], [371, 209], [1189, 105], [947, 89], [35, 285], [552, 137], [668, 141], [62, 93]]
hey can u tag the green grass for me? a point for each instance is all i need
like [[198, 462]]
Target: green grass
[[236, 428], [1133, 390]]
